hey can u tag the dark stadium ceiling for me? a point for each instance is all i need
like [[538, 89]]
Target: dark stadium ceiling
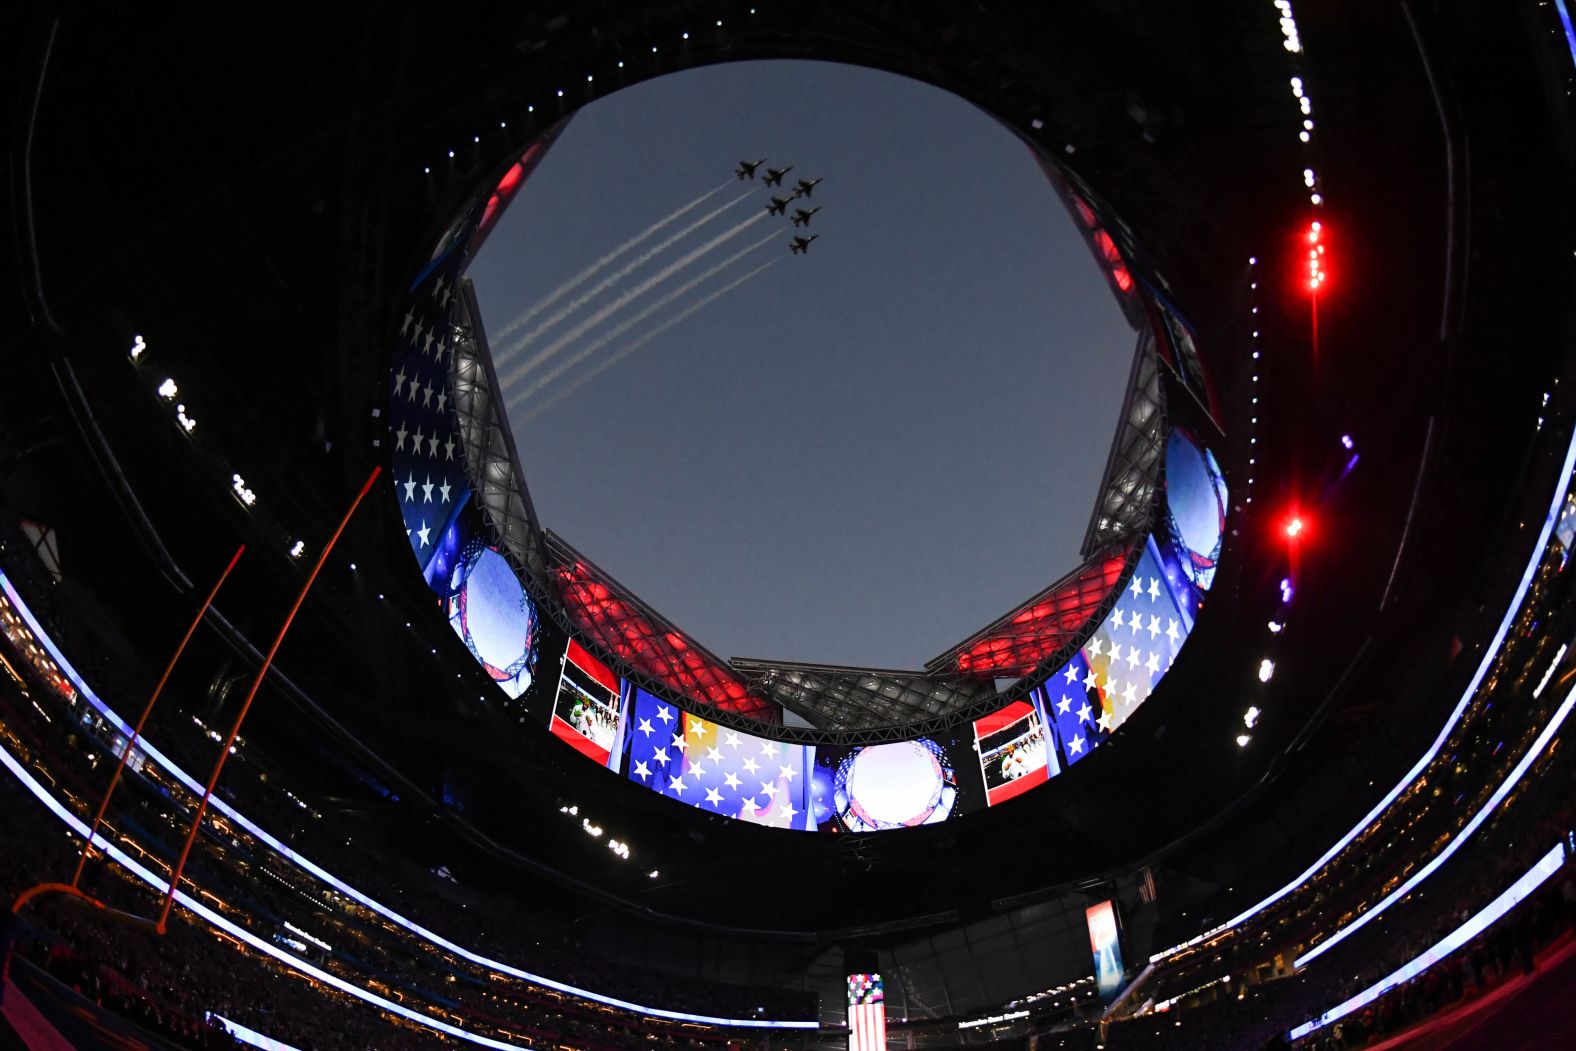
[[257, 212]]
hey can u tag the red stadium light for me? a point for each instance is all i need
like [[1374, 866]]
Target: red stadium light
[[1316, 275], [1295, 527]]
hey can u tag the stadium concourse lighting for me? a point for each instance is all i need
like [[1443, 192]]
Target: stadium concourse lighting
[[307, 865], [242, 491]]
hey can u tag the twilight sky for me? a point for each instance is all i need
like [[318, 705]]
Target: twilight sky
[[856, 456]]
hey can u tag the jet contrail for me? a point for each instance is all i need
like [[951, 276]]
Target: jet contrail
[[624, 326], [610, 309], [616, 276], [628, 349], [589, 272]]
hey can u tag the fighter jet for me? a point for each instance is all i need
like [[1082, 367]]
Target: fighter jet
[[804, 187], [778, 206], [774, 176], [801, 245], [746, 169], [801, 217]]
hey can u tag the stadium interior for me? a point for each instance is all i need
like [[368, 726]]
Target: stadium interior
[[1345, 240]]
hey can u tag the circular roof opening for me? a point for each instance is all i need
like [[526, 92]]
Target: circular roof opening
[[856, 454]]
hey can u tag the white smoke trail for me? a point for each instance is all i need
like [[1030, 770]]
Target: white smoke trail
[[616, 276], [624, 326], [630, 348], [612, 308], [591, 271]]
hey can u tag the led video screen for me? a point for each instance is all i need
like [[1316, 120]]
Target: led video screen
[[1121, 663], [903, 784], [1195, 507], [495, 618], [1015, 752], [586, 713], [716, 768], [1105, 943]]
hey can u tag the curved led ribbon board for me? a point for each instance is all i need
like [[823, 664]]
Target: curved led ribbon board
[[1428, 756], [1530, 881], [307, 865]]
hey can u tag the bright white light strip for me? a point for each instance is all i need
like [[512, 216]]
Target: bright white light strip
[[1555, 663], [1433, 750], [1534, 877], [250, 1036], [1510, 782], [323, 874], [153, 880]]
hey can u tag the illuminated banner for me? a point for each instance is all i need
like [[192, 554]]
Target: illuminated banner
[[1106, 945], [866, 1013]]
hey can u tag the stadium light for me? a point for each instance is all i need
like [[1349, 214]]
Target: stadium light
[[1316, 250], [1266, 670], [138, 345], [1242, 740], [168, 390], [1295, 526], [1250, 717]]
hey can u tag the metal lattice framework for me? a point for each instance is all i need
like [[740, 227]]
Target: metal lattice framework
[[1041, 634], [620, 626], [843, 705], [832, 697], [1132, 470], [490, 456]]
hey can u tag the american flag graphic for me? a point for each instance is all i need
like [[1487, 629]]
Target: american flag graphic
[[427, 458], [866, 1013], [717, 768], [1123, 660]]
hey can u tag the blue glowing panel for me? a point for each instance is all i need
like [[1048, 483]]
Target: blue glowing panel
[[1195, 508], [899, 785], [716, 768]]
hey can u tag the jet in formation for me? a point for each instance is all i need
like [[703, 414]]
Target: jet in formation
[[801, 245], [801, 217], [804, 186], [774, 176], [778, 206], [746, 169]]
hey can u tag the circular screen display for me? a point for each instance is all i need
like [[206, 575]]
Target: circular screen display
[[894, 785], [1195, 507], [492, 614]]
